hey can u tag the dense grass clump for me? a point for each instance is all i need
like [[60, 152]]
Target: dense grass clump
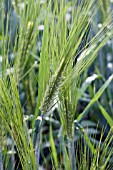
[[56, 72]]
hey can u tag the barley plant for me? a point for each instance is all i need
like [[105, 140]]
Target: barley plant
[[56, 72]]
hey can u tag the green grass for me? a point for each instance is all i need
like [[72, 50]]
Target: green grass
[[53, 92]]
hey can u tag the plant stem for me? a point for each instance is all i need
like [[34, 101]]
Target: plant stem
[[1, 165], [37, 149], [72, 153], [36, 140], [12, 156]]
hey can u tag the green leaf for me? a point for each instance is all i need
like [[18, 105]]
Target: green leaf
[[54, 152], [95, 98], [106, 115]]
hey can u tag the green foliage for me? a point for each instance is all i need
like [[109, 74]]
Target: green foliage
[[49, 70]]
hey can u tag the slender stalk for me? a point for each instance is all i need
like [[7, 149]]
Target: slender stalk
[[1, 164], [73, 155], [37, 135], [37, 149], [12, 156], [71, 150]]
